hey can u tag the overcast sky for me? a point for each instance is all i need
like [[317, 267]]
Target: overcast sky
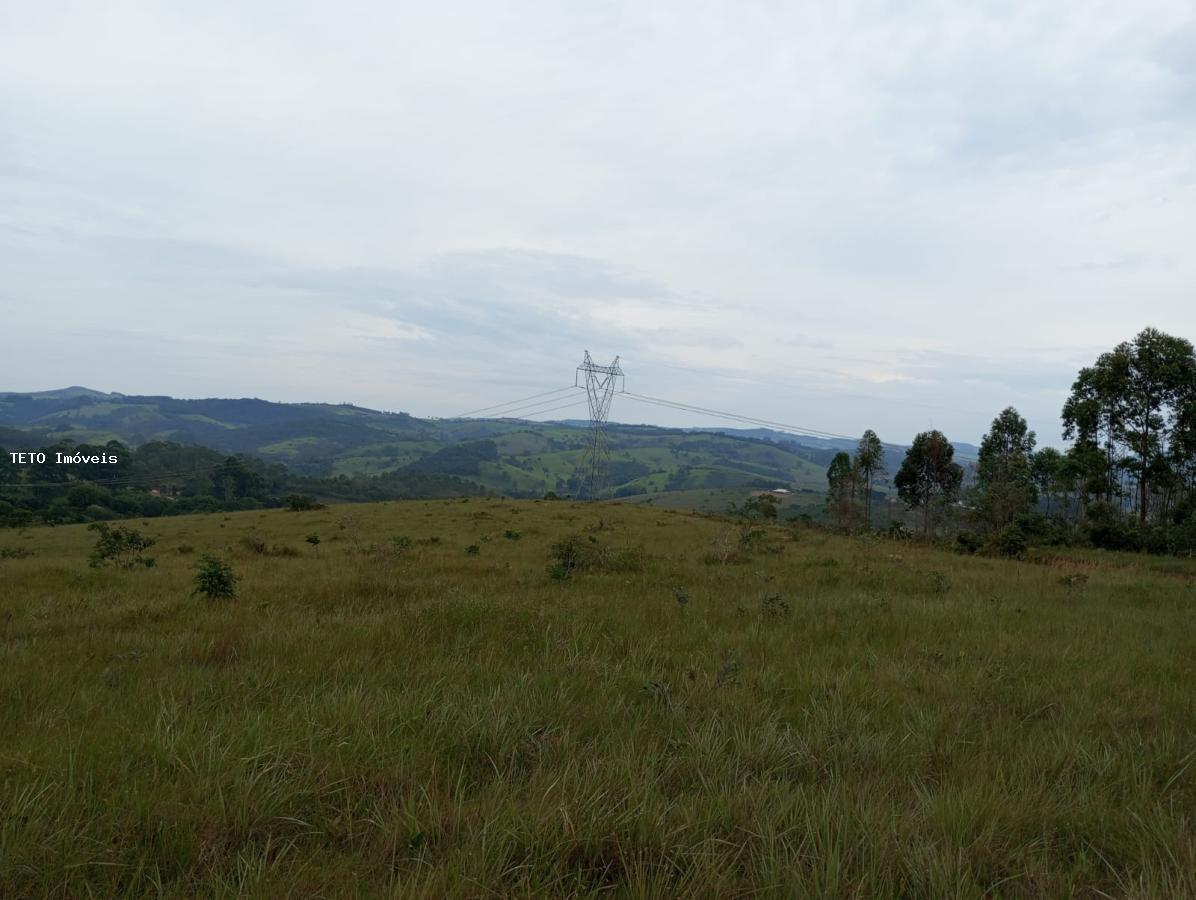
[[836, 215]]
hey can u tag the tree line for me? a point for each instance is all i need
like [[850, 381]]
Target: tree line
[[162, 478], [1127, 482]]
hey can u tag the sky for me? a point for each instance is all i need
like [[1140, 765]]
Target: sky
[[838, 216]]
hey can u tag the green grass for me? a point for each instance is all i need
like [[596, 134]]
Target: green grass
[[828, 717]]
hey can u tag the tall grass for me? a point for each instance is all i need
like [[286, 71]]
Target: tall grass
[[395, 717]]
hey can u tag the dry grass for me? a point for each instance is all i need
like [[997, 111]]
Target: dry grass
[[842, 718]]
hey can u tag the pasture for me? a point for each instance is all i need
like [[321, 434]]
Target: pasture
[[428, 703]]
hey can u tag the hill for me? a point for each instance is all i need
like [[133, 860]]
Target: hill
[[528, 458], [417, 706]]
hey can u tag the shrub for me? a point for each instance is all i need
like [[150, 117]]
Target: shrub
[[215, 579], [1010, 541], [775, 605], [302, 503], [473, 550], [15, 553], [255, 544], [1108, 530], [577, 553], [121, 547], [968, 542]]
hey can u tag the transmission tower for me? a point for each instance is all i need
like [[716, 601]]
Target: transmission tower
[[601, 384]]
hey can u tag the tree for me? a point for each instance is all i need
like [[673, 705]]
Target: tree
[[1004, 476], [840, 478], [870, 463], [1139, 400], [1048, 474], [928, 475]]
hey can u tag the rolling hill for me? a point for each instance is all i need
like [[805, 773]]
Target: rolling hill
[[698, 468]]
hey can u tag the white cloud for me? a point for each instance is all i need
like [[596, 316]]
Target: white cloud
[[815, 196]]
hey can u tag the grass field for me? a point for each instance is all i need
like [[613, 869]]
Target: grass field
[[821, 716]]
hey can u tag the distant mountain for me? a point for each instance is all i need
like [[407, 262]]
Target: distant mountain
[[507, 456], [61, 393]]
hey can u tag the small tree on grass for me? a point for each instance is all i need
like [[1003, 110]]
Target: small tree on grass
[[121, 547], [314, 540], [215, 579]]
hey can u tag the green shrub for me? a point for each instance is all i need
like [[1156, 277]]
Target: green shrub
[[121, 547], [968, 542], [215, 579], [302, 503], [576, 553], [1011, 541]]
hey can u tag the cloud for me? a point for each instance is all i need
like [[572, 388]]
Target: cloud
[[862, 213]]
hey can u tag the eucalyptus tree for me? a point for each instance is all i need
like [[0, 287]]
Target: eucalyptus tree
[[870, 463], [1004, 475], [1138, 403], [928, 474]]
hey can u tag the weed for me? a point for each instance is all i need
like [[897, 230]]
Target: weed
[[255, 544], [937, 582], [1074, 580], [728, 673], [775, 605]]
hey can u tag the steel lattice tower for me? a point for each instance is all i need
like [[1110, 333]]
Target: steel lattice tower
[[601, 384]]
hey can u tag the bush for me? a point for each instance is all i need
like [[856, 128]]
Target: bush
[[1010, 541], [255, 544], [1108, 530], [577, 553], [302, 503], [215, 579], [968, 542], [120, 547]]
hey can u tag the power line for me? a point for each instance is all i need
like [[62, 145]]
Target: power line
[[522, 416], [513, 402], [752, 420], [532, 409]]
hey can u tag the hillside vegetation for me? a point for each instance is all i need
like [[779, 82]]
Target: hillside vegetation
[[504, 456], [495, 698]]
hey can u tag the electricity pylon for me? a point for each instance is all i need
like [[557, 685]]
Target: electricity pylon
[[602, 383]]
